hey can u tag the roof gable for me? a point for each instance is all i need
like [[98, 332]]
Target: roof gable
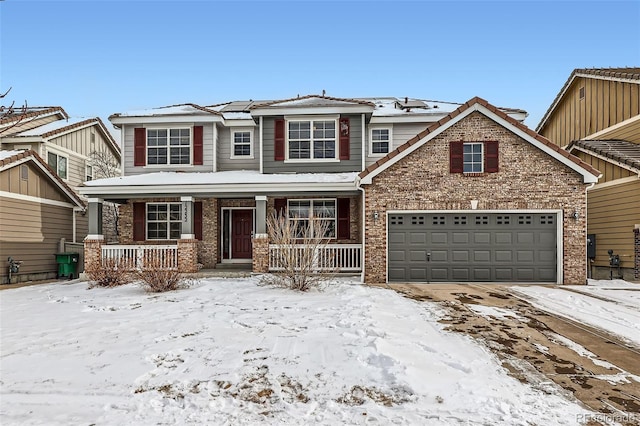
[[313, 101], [17, 120], [478, 104], [9, 159], [624, 153]]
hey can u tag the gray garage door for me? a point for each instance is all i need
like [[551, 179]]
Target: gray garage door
[[470, 247]]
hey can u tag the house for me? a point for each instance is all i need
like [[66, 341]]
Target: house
[[37, 209], [596, 116], [199, 181], [76, 150]]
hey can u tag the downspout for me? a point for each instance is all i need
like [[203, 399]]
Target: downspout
[[122, 159], [215, 147], [364, 142], [261, 160], [362, 236]]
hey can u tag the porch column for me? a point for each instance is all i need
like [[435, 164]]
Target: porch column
[[261, 214], [187, 232], [95, 217]]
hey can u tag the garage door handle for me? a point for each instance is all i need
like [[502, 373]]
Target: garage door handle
[[428, 256]]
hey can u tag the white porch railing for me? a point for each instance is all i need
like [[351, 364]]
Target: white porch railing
[[331, 257], [136, 257]]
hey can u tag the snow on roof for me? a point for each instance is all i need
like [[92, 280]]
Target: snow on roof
[[187, 109], [389, 106], [237, 116], [50, 127], [6, 154], [230, 177]]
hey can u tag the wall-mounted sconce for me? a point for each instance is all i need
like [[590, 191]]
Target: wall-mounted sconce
[[474, 204], [376, 215], [576, 215]]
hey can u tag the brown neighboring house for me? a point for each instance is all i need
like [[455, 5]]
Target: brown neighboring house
[[477, 196], [37, 209], [596, 116]]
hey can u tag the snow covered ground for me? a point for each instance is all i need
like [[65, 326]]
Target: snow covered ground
[[227, 351], [611, 305]]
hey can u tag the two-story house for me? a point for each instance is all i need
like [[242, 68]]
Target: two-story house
[[201, 180], [75, 150], [596, 116]]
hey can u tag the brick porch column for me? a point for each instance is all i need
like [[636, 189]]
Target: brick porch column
[[261, 253], [188, 255], [93, 251]]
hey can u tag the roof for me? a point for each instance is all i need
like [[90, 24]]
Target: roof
[[313, 101], [180, 109], [629, 75], [32, 112], [478, 104], [623, 152], [9, 159]]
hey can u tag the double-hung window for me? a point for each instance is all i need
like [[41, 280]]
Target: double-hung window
[[58, 163], [168, 146], [472, 157], [241, 144], [89, 174], [313, 218], [312, 139], [380, 141], [163, 221]]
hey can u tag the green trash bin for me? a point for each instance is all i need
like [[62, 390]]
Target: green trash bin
[[67, 265]]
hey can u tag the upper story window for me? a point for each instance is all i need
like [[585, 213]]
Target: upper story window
[[168, 146], [380, 141], [241, 144], [313, 216], [312, 139], [163, 221], [473, 157], [89, 174], [58, 163]]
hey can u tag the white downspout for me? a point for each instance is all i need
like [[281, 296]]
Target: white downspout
[[364, 143], [362, 237], [215, 147], [261, 159]]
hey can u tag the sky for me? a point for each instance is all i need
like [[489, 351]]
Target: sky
[[97, 58]]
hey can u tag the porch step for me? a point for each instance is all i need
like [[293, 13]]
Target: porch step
[[234, 266]]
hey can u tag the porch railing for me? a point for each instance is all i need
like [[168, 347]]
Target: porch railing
[[331, 257], [139, 256]]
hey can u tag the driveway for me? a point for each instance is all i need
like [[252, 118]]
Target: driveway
[[541, 348]]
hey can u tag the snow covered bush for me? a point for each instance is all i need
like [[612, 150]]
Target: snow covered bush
[[155, 278], [110, 274], [301, 258]]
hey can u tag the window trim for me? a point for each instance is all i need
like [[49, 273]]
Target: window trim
[[168, 221], [168, 146], [390, 141], [58, 155], [311, 120], [233, 143], [86, 172], [482, 157], [311, 218]]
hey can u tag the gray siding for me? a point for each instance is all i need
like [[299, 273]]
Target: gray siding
[[401, 132], [225, 162], [128, 145], [354, 164]]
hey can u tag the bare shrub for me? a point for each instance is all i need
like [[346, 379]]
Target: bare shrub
[[111, 273], [156, 278], [301, 258]]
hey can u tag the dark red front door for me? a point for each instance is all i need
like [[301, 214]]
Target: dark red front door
[[241, 227]]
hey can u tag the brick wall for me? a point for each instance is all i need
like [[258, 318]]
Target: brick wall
[[636, 250], [92, 253], [528, 179], [261, 253]]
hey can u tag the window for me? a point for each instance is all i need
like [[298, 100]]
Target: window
[[168, 146], [89, 172], [472, 157], [314, 215], [163, 221], [58, 163], [380, 141], [314, 139], [24, 172], [241, 144]]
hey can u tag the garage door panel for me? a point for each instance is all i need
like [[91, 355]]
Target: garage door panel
[[427, 247]]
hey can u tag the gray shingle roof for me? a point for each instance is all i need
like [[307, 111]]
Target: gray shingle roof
[[621, 151]]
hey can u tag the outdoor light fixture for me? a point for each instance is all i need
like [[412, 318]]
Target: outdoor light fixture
[[375, 216], [576, 215]]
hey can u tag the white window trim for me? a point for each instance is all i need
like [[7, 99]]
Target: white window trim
[[311, 218], [311, 119], [58, 154], [378, 154], [86, 171], [233, 136], [168, 129], [146, 221], [482, 153]]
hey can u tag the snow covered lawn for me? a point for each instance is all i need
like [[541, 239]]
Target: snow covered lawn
[[227, 351], [610, 305]]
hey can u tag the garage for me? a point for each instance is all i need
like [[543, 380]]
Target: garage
[[472, 247]]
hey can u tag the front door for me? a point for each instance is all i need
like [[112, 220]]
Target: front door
[[241, 230]]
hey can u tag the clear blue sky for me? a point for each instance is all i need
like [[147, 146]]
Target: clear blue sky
[[96, 58]]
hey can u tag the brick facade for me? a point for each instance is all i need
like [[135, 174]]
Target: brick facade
[[261, 253], [92, 253], [636, 251], [188, 256], [528, 179]]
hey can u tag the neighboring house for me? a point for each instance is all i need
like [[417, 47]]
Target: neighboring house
[[37, 209], [200, 181], [596, 116], [77, 150]]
